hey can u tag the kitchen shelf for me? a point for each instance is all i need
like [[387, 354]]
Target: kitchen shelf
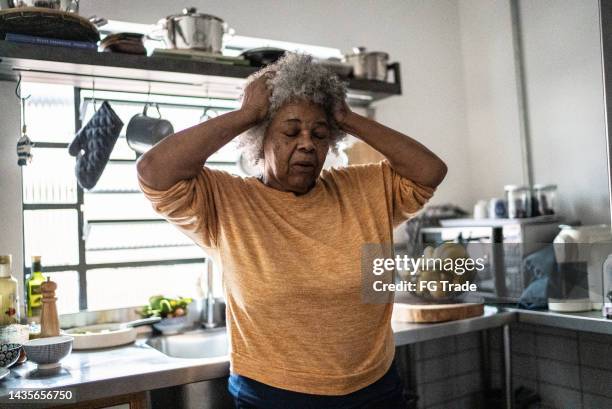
[[164, 76]]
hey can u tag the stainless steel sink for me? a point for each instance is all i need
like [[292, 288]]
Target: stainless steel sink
[[210, 343], [200, 343]]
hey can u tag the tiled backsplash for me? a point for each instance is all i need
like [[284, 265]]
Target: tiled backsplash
[[567, 369]]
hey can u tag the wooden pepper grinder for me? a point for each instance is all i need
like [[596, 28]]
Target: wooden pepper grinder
[[49, 320]]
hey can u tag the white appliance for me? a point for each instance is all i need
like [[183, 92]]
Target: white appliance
[[580, 252]]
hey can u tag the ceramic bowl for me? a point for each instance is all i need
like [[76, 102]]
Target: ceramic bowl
[[48, 352], [9, 354]]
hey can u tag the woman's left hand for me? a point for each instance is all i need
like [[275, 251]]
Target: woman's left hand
[[341, 112]]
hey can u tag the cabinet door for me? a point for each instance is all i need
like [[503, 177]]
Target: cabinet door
[[131, 401]]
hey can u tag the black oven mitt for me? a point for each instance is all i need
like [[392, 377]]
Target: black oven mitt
[[93, 145]]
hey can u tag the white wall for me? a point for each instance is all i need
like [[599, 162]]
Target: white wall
[[491, 97], [564, 94], [566, 111]]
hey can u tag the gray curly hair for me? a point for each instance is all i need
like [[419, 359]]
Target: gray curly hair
[[296, 77]]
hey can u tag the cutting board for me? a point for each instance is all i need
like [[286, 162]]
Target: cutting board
[[435, 312]]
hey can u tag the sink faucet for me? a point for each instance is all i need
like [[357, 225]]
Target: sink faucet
[[210, 298]]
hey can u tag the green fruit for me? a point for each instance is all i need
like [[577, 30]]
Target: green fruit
[[165, 307], [154, 301]]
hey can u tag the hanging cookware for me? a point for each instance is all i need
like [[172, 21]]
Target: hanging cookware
[[191, 30], [94, 143], [144, 131]]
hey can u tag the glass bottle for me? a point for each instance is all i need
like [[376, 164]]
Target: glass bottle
[[33, 287], [9, 300]]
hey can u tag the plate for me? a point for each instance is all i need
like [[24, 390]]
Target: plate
[[4, 372]]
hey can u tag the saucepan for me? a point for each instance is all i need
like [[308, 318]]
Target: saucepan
[[191, 30], [107, 335], [372, 65]]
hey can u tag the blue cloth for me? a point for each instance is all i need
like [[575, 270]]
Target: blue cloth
[[386, 393], [538, 268]]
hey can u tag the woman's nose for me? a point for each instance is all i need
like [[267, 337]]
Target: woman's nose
[[305, 141]]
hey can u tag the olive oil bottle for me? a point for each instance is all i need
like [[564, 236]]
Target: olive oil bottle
[[33, 287], [9, 302]]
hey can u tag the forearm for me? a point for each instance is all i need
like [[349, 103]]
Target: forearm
[[408, 157], [182, 155]]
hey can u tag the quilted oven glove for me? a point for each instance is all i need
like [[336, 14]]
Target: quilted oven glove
[[93, 145]]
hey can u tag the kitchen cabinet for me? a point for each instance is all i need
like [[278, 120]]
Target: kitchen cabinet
[[130, 401]]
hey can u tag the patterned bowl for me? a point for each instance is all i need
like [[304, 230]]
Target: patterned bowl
[[9, 353], [47, 352]]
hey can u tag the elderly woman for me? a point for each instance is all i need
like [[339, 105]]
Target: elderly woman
[[290, 241]]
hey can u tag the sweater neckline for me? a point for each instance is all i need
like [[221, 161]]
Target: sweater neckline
[[289, 195]]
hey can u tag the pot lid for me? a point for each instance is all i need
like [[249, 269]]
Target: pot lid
[[193, 12]]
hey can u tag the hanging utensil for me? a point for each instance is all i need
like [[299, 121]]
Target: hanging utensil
[[24, 144], [144, 131]]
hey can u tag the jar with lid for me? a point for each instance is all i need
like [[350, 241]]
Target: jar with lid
[[9, 301], [545, 199], [518, 199]]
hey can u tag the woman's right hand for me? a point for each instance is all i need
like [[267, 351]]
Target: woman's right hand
[[256, 99]]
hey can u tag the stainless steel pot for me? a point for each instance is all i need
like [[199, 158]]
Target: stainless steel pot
[[191, 30], [371, 65]]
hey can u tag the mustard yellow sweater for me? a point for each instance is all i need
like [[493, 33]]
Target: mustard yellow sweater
[[292, 270]]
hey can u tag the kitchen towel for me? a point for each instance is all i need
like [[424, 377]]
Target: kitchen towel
[[537, 269], [93, 145]]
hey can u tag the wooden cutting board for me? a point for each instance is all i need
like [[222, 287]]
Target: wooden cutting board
[[435, 312]]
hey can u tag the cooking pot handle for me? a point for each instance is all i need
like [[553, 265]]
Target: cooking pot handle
[[228, 30], [146, 107], [158, 33], [396, 72]]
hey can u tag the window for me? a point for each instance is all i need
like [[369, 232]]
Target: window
[[105, 248]]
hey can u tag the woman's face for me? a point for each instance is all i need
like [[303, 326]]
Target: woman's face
[[295, 147]]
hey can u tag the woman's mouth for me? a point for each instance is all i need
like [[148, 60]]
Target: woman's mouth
[[303, 166]]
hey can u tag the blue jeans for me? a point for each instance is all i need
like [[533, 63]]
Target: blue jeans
[[385, 393]]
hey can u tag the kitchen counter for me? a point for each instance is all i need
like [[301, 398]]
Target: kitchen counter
[[591, 321], [139, 367]]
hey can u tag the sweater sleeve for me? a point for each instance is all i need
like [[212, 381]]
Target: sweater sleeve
[[403, 197], [189, 205], [406, 196]]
